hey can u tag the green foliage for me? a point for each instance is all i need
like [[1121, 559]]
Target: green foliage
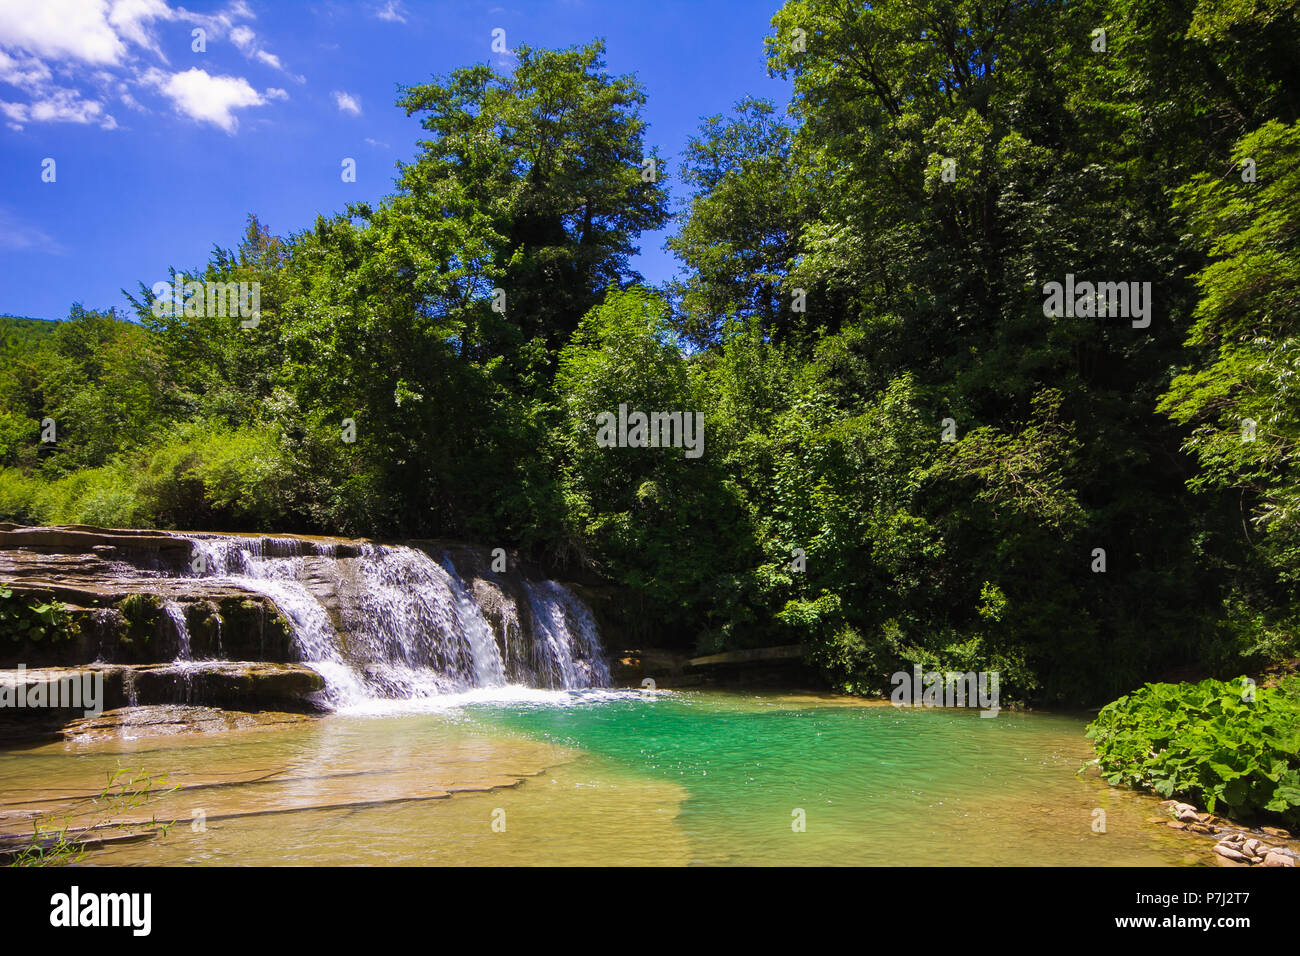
[[937, 164], [1242, 397], [667, 527], [543, 169], [24, 617], [739, 233], [1207, 742], [60, 842], [142, 612]]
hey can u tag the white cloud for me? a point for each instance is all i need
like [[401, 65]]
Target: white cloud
[[99, 43], [206, 98], [275, 93], [392, 12], [75, 29], [270, 59], [130, 19], [67, 106], [16, 113], [58, 105], [347, 103], [28, 72], [245, 40]]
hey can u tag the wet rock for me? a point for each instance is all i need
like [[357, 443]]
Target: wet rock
[[1275, 831], [56, 696], [232, 685], [1277, 857], [170, 720]]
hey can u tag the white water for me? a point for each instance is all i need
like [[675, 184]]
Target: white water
[[176, 615], [404, 626], [184, 653], [566, 643]]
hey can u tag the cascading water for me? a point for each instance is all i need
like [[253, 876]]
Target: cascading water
[[567, 649], [184, 653], [245, 562], [176, 614], [390, 622]]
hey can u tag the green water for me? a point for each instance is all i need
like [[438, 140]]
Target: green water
[[870, 784], [685, 778]]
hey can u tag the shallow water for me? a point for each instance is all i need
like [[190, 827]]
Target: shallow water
[[546, 777]]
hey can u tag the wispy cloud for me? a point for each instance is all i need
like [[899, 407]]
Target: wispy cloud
[[19, 236], [392, 12], [246, 41], [57, 105], [347, 103]]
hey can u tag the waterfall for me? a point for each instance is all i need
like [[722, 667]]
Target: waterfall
[[184, 652], [568, 653], [176, 614], [387, 622]]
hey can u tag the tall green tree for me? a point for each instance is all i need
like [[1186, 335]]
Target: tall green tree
[[551, 160]]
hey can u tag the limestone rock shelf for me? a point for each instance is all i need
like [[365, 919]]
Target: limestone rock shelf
[[230, 685]]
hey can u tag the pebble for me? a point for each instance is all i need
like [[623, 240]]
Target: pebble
[[1235, 848]]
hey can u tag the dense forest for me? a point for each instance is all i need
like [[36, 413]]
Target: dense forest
[[911, 453]]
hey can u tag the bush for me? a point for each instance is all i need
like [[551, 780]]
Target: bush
[[1208, 743], [105, 497], [25, 617], [18, 497], [205, 476]]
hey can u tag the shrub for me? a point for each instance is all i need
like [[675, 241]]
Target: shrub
[[29, 618], [1206, 742], [210, 476], [18, 494]]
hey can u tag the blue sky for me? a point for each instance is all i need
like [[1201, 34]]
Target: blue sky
[[160, 152]]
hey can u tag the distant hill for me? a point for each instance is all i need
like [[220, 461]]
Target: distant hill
[[18, 331]]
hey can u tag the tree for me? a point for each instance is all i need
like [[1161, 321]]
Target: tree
[[549, 162]]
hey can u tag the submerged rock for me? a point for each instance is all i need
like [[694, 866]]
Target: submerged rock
[[171, 720]]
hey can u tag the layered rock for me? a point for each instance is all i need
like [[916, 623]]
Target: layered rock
[[161, 612]]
